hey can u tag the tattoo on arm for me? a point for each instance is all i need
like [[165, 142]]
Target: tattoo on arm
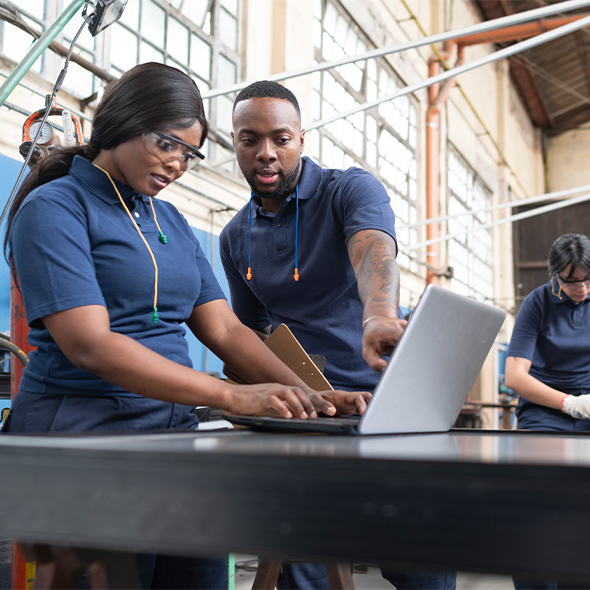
[[372, 255]]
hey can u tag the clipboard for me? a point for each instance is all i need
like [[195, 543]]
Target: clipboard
[[285, 346]]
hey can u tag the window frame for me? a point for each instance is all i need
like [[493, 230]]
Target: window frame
[[469, 242], [407, 236]]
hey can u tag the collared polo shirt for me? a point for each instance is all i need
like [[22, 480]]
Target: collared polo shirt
[[323, 308], [554, 334], [74, 245]]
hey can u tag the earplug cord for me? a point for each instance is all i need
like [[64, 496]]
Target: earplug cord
[[155, 306], [249, 273]]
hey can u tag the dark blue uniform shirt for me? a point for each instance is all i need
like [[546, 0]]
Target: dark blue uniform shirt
[[323, 308], [554, 334], [74, 245]]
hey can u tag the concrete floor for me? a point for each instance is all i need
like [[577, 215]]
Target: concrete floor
[[372, 579]]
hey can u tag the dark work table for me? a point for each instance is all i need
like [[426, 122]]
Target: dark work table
[[490, 501]]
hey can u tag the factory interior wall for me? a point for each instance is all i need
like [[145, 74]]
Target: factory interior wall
[[567, 159]]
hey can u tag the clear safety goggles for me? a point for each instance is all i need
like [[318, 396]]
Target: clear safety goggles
[[575, 282], [169, 149]]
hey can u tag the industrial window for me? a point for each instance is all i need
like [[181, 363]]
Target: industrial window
[[470, 251], [36, 14], [199, 37], [15, 41], [382, 140]]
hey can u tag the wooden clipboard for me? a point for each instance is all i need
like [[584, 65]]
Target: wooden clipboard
[[284, 344], [286, 347]]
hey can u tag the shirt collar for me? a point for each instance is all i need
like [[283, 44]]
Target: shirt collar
[[311, 178], [98, 183]]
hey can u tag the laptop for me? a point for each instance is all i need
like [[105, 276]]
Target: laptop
[[428, 377]]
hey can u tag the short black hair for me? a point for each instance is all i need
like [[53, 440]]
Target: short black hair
[[267, 89], [573, 249]]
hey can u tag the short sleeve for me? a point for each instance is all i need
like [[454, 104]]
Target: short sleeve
[[364, 204], [51, 248], [526, 329], [244, 303]]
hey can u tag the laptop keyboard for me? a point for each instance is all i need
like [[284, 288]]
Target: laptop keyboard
[[353, 420]]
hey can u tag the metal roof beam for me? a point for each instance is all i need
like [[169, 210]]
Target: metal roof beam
[[514, 19], [501, 54]]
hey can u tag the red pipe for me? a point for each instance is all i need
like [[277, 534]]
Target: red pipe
[[22, 572], [19, 331], [523, 31]]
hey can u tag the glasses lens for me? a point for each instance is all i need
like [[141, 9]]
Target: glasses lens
[[162, 147], [167, 150], [576, 283], [192, 160]]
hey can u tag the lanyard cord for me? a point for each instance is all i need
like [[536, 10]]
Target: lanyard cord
[[161, 235], [155, 307], [553, 289]]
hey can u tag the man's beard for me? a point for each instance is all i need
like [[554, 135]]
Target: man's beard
[[283, 187]]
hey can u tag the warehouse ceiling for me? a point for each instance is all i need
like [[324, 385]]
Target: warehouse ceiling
[[554, 78]]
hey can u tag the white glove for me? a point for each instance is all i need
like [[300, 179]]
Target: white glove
[[576, 406]]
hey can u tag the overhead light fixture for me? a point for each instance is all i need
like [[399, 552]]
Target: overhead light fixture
[[105, 14]]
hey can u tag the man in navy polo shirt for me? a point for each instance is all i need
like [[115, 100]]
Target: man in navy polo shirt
[[315, 249]]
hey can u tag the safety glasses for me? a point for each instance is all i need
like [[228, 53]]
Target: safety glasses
[[169, 149], [575, 282]]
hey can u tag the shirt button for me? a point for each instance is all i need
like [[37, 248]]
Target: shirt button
[[136, 214], [280, 224]]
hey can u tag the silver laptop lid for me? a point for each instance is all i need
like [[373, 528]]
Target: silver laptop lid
[[434, 366]]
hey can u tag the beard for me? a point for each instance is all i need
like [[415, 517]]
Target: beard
[[286, 181]]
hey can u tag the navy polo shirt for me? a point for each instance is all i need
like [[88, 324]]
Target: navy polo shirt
[[323, 308], [74, 245], [554, 334]]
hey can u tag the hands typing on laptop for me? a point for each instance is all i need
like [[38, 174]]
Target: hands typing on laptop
[[427, 379], [301, 403]]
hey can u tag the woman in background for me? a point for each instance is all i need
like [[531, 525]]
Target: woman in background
[[548, 362]]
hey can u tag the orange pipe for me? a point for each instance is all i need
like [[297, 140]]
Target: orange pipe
[[432, 173], [19, 330], [437, 98], [523, 31]]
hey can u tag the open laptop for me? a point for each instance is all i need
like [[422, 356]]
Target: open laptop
[[428, 377]]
